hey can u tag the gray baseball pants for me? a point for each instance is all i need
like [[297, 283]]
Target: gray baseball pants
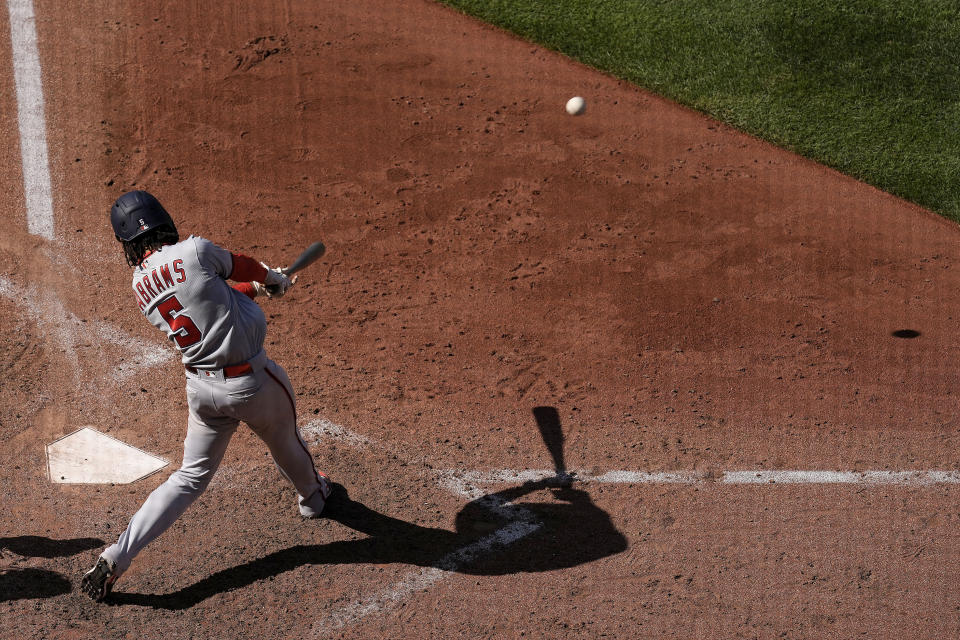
[[264, 401]]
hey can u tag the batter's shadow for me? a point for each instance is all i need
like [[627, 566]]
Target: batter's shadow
[[27, 583], [41, 547], [536, 537]]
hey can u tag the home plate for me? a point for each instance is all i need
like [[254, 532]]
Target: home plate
[[90, 457]]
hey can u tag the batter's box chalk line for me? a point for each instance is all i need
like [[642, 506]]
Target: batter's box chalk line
[[520, 524], [455, 479], [468, 485], [70, 331]]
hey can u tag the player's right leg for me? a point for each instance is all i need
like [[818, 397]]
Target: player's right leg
[[207, 438]]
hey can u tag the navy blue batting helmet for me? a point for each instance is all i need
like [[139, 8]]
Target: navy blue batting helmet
[[137, 212]]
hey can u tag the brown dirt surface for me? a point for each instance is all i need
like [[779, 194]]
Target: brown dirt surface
[[686, 297]]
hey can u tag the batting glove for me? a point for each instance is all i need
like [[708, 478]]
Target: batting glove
[[277, 283]]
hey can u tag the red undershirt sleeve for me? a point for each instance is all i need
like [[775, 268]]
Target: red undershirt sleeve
[[246, 289], [247, 269]]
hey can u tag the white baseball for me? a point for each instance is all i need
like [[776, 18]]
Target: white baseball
[[576, 106]]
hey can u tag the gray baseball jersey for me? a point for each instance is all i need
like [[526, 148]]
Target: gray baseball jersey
[[182, 290]]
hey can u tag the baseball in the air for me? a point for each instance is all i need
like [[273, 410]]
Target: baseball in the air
[[576, 106]]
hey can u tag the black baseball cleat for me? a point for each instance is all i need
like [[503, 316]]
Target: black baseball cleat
[[98, 582]]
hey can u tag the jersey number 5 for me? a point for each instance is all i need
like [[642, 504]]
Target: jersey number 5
[[184, 331]]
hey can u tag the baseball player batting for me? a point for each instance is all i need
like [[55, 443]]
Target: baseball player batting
[[181, 287]]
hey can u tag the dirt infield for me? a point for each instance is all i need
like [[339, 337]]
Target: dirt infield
[[687, 298]]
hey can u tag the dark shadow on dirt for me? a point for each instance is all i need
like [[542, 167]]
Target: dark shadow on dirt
[[24, 584], [494, 536], [535, 537], [907, 334], [28, 582], [40, 547], [548, 422]]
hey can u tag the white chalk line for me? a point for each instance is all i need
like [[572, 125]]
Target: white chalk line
[[70, 331], [424, 578], [468, 485], [455, 477], [521, 524], [323, 429], [899, 478], [31, 118]]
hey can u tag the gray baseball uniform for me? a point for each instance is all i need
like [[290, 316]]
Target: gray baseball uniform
[[182, 290]]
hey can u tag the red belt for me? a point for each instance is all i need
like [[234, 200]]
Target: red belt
[[232, 371]]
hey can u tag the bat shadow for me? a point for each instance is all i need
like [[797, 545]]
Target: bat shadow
[[548, 422], [569, 531]]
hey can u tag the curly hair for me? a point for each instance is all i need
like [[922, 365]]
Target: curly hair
[[136, 250]]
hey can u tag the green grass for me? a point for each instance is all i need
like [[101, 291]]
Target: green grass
[[870, 87]]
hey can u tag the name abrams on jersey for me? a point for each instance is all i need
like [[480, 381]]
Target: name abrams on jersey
[[157, 281]]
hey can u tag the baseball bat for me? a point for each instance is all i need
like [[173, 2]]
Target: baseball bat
[[310, 255]]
